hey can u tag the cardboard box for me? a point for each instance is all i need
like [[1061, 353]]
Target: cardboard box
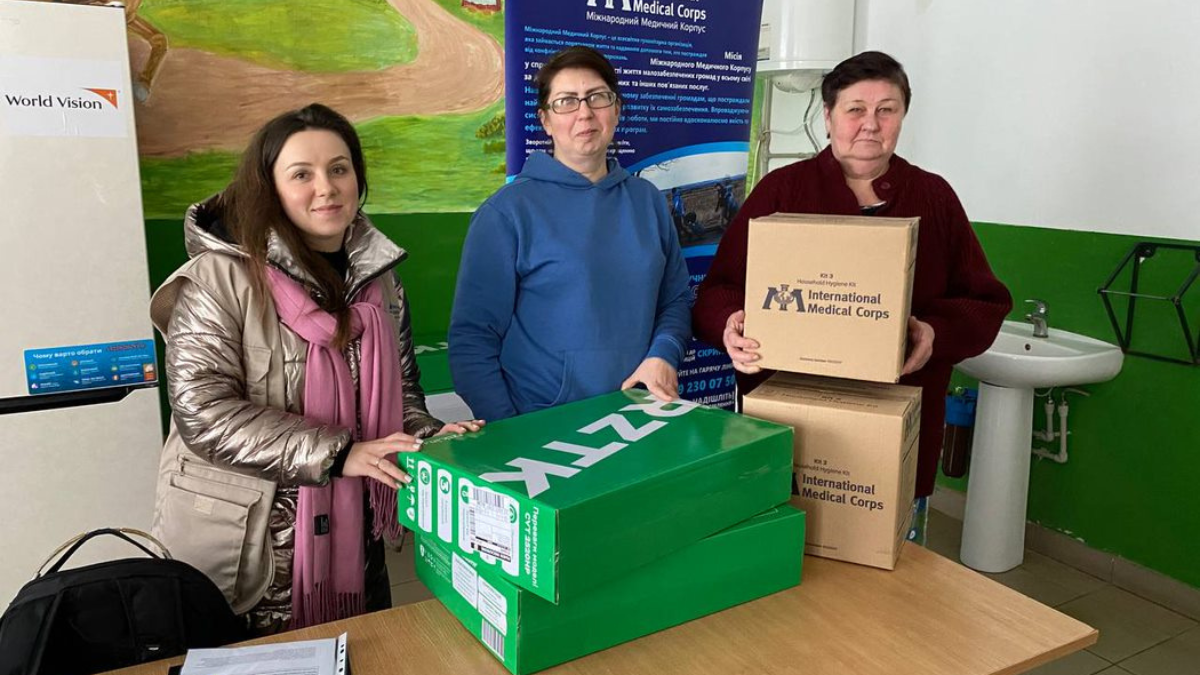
[[830, 295], [856, 461], [758, 557], [567, 498]]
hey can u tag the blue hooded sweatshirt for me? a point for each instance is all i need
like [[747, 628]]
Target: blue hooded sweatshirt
[[565, 287]]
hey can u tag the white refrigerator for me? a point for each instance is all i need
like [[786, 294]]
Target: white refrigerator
[[80, 429]]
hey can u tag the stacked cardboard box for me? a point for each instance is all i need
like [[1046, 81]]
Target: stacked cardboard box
[[829, 296], [855, 461], [573, 502]]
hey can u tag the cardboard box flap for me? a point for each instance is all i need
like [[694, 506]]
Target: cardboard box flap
[[840, 221], [839, 394], [871, 241]]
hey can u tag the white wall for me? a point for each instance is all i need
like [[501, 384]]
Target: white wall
[[1070, 114]]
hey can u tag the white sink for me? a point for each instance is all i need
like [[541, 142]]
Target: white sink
[[1017, 359], [993, 537]]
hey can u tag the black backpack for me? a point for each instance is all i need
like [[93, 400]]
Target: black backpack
[[112, 614]]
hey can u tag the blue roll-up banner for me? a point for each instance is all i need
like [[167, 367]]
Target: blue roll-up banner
[[686, 70]]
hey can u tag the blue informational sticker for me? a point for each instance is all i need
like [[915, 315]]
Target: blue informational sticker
[[57, 370]]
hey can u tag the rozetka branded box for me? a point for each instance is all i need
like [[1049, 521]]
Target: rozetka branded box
[[749, 560], [566, 498], [856, 460], [830, 295]]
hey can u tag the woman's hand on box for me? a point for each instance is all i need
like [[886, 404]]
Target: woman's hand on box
[[463, 427], [377, 459], [660, 379], [740, 348], [920, 345]]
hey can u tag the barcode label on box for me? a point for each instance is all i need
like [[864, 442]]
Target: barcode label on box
[[486, 497], [492, 524], [493, 638]]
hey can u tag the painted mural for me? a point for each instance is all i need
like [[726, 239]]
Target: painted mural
[[421, 79]]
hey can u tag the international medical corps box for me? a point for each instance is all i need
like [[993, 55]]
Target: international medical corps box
[[830, 295], [566, 498], [758, 557], [856, 460]]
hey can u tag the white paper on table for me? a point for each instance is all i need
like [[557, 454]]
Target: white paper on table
[[310, 657]]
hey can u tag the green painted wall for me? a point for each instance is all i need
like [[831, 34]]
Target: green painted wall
[[1135, 442]]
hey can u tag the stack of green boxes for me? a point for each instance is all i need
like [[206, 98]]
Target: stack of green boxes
[[566, 531]]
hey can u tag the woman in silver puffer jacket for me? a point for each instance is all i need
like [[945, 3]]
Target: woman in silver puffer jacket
[[286, 275]]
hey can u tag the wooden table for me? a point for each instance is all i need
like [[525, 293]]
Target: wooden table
[[930, 616]]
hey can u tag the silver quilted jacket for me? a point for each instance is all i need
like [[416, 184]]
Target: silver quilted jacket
[[214, 380]]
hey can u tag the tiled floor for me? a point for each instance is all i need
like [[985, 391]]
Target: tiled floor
[[1137, 637], [405, 587]]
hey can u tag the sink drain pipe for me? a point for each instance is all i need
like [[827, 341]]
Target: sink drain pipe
[[1064, 409]]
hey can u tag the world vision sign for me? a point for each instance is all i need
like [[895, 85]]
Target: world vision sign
[[63, 97], [829, 295], [67, 102]]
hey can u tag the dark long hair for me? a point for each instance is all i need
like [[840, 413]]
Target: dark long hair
[[252, 208]]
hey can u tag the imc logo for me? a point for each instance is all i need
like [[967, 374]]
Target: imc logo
[[781, 298], [626, 5]]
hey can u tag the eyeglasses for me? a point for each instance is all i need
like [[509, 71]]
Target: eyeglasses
[[595, 101]]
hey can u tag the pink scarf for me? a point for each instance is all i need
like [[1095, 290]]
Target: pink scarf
[[330, 551]]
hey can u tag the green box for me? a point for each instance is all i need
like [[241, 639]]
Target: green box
[[758, 557], [566, 498]]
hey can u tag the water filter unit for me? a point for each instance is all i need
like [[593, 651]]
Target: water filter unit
[[960, 427]]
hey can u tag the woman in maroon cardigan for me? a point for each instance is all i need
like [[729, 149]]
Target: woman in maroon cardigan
[[957, 303]]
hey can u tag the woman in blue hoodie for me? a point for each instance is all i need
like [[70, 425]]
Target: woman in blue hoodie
[[572, 283]]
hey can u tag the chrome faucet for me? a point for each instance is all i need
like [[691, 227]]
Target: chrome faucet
[[1038, 317]]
